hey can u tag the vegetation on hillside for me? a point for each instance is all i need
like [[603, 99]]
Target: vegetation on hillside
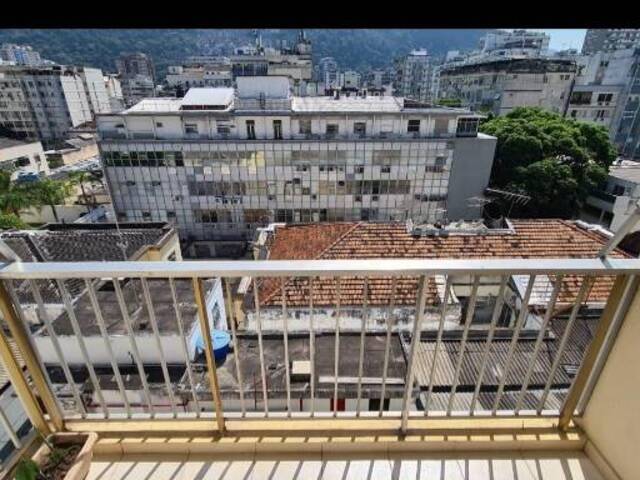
[[352, 49], [554, 160]]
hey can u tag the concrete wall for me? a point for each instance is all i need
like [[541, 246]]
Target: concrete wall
[[470, 172], [612, 419]]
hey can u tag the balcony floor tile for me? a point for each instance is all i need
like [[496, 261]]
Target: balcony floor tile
[[571, 465]]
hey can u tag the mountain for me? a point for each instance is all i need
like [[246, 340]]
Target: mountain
[[353, 49]]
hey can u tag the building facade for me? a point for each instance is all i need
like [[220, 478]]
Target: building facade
[[18, 157], [414, 76], [137, 77], [328, 72], [221, 164], [610, 39], [20, 55], [206, 72], [500, 85], [521, 42], [45, 103]]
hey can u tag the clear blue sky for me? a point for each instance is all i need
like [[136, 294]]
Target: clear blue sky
[[563, 38]]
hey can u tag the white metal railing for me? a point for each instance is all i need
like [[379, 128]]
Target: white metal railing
[[417, 386]]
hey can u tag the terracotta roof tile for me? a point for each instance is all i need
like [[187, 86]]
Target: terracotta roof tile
[[532, 239]]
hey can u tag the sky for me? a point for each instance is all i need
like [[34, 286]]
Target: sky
[[563, 38]]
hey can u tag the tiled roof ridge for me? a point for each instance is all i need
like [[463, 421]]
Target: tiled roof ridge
[[594, 235], [338, 240], [317, 257]]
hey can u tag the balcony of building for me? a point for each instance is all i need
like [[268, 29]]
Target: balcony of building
[[483, 369]]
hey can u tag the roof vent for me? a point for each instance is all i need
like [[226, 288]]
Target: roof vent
[[301, 371]]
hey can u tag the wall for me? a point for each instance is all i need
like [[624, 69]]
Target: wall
[[66, 214], [611, 418], [470, 172], [33, 151]]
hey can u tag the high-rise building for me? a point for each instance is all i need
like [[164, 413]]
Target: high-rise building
[[198, 72], [45, 103], [610, 39], [137, 77], [220, 163], [20, 55], [606, 93], [114, 90], [414, 75], [499, 85], [328, 72], [515, 42]]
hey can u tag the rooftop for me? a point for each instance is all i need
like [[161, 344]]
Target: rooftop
[[629, 173], [527, 239], [207, 97]]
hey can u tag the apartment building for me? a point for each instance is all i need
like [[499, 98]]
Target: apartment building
[[45, 103], [500, 85], [114, 91], [137, 77], [199, 72], [20, 55], [606, 93], [18, 156], [414, 74], [610, 39], [220, 163], [328, 72], [520, 42]]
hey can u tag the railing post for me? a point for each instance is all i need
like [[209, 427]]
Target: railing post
[[612, 310], [205, 329], [23, 389], [408, 388]]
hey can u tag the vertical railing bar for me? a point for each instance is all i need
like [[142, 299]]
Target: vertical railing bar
[[285, 335], [105, 336], [263, 373], [132, 343], [390, 323], [236, 346], [487, 349], [205, 331], [434, 359], [83, 347], [471, 307], [536, 348], [36, 353], [365, 317], [56, 346], [312, 350], [417, 324], [9, 429], [156, 333], [336, 350], [582, 294], [522, 316], [185, 348]]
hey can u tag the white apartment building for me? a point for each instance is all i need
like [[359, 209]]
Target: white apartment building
[[328, 72], [221, 163], [610, 39], [414, 76], [214, 73], [350, 79], [17, 156], [20, 55], [500, 85], [44, 103], [114, 91], [607, 92], [520, 42]]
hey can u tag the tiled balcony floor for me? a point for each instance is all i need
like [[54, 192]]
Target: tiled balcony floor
[[489, 466]]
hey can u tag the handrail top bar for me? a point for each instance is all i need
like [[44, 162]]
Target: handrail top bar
[[321, 268]]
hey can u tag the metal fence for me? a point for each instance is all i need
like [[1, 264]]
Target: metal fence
[[397, 339]]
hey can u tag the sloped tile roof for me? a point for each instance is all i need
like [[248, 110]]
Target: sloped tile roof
[[548, 238]]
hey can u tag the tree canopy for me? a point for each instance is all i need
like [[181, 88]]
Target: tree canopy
[[554, 160]]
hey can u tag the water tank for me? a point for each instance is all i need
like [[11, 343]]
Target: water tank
[[220, 340]]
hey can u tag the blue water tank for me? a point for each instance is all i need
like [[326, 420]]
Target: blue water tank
[[220, 340]]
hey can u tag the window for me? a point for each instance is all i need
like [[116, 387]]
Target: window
[[413, 126], [305, 126], [600, 114], [190, 128], [277, 129], [332, 129], [158, 124], [467, 127], [574, 113], [360, 128], [386, 169], [251, 129], [618, 190], [580, 98], [605, 97], [223, 129]]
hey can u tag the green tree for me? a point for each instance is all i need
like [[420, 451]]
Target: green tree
[[51, 193], [83, 178], [10, 220], [14, 197], [449, 102], [570, 158]]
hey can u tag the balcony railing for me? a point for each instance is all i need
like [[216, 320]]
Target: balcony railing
[[390, 339]]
